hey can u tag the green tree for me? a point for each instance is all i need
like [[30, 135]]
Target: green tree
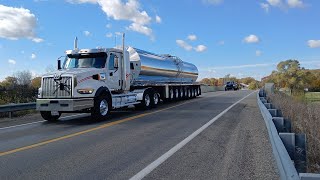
[[253, 85], [36, 82]]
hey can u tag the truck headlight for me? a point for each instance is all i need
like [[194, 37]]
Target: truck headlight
[[39, 93], [85, 91]]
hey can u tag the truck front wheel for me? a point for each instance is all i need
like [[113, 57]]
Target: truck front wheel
[[101, 108], [47, 115]]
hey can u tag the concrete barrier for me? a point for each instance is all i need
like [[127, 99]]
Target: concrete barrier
[[287, 147], [205, 88]]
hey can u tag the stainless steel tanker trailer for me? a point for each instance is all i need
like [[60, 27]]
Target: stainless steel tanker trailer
[[99, 80]]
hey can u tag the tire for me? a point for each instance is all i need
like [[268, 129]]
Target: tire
[[181, 93], [102, 107], [155, 99], [194, 93], [146, 100], [189, 93], [46, 115], [176, 94], [171, 94]]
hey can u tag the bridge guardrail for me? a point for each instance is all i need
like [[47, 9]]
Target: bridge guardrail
[[17, 107]]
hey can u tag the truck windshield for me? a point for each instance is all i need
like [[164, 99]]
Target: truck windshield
[[92, 60]]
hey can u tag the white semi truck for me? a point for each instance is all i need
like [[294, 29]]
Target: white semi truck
[[99, 80]]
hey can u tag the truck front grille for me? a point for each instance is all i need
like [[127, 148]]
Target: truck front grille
[[52, 88]]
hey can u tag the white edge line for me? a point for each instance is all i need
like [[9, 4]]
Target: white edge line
[[65, 117], [144, 172]]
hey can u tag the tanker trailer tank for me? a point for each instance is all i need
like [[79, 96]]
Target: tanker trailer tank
[[148, 67]]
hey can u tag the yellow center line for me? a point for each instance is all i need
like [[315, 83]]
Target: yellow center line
[[92, 129]]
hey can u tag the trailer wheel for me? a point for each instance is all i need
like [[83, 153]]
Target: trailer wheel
[[101, 107], [171, 94], [47, 115], [189, 93], [155, 99], [181, 93], [176, 94]]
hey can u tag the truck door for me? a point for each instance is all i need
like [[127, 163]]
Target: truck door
[[114, 71]]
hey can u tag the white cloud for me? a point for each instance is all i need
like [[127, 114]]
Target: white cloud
[[275, 2], [129, 11], [221, 43], [265, 6], [17, 23], [243, 66], [251, 39], [200, 48], [37, 40], [295, 3], [314, 43], [282, 4], [214, 2], [109, 26], [158, 19], [258, 53], [118, 33], [82, 1], [184, 45], [141, 29], [33, 56], [87, 33], [109, 35], [12, 61], [192, 37]]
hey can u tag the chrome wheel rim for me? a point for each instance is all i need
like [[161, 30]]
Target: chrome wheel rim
[[171, 94], [147, 100], [156, 98], [104, 107]]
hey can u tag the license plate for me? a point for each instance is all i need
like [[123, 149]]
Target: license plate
[[54, 113]]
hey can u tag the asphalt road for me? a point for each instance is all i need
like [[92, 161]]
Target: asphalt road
[[234, 146]]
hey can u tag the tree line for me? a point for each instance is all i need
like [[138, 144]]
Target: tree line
[[291, 76], [19, 88], [250, 81]]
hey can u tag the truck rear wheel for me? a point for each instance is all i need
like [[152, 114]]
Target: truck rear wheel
[[146, 102], [101, 107], [47, 115]]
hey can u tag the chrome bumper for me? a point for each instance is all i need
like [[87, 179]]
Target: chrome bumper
[[64, 104]]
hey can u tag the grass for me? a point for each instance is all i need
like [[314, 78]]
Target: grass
[[305, 118], [312, 96]]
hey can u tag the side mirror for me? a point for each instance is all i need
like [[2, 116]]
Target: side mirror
[[59, 64], [116, 62]]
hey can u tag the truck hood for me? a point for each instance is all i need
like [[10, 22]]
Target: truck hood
[[78, 72]]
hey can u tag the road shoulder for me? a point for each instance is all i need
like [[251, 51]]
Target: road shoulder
[[236, 146]]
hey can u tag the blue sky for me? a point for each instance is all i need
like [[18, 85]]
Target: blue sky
[[241, 38]]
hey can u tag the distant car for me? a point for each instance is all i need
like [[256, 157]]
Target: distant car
[[231, 86]]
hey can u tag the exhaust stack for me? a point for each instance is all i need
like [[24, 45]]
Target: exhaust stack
[[76, 43]]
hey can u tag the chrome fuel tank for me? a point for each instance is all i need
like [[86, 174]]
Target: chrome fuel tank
[[148, 66]]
